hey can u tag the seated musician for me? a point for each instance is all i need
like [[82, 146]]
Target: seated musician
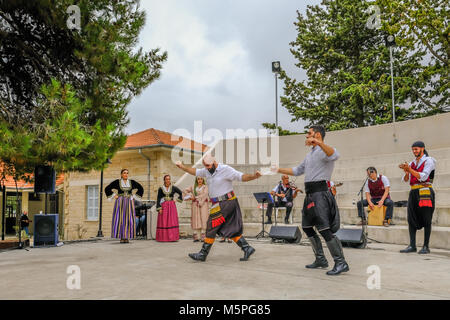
[[285, 194], [377, 194]]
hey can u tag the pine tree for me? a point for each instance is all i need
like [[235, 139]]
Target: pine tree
[[348, 69], [63, 91], [422, 31]]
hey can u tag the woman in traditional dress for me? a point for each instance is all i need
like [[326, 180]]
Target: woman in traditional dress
[[124, 215], [200, 207], [167, 227]]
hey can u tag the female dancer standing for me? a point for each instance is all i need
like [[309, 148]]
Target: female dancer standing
[[200, 207], [124, 215], [167, 227]]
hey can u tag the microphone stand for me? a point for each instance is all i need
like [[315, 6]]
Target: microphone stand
[[363, 215]]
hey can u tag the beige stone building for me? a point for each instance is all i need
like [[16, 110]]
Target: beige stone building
[[148, 155]]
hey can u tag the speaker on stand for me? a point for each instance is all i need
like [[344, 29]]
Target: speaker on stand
[[44, 179]]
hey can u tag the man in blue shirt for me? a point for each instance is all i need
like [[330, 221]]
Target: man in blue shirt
[[320, 208]]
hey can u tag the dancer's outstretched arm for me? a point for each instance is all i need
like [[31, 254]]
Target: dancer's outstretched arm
[[287, 171], [186, 169], [249, 177]]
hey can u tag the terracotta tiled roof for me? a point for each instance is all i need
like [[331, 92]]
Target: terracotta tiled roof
[[152, 137], [11, 184]]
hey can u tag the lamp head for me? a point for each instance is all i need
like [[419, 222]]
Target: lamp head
[[276, 66]]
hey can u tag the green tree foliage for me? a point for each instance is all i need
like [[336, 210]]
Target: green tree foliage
[[64, 92], [422, 31], [348, 70], [281, 131]]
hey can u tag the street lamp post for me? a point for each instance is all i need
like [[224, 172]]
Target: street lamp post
[[100, 233], [390, 42], [392, 86], [3, 188], [100, 209], [276, 68]]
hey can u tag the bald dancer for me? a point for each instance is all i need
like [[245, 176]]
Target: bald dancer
[[225, 216]]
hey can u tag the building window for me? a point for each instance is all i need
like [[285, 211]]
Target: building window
[[92, 203], [13, 205]]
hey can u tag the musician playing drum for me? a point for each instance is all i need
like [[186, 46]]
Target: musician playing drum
[[285, 193]]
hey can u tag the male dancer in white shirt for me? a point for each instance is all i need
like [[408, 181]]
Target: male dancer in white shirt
[[225, 214]]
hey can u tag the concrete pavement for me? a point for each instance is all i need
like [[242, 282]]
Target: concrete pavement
[[147, 269]]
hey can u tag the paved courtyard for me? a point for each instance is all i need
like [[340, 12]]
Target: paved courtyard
[[147, 269]]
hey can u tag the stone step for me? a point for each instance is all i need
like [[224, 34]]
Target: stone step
[[441, 216], [442, 197], [349, 215], [347, 158], [391, 170], [351, 187], [441, 153], [389, 159], [393, 234], [12, 243], [400, 235], [349, 171], [347, 199], [361, 163]]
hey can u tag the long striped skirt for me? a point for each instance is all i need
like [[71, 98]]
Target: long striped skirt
[[167, 227], [123, 218]]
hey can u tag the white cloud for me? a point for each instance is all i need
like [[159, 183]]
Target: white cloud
[[195, 60], [218, 67]]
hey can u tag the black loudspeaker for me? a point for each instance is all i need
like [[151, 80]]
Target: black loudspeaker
[[45, 229], [44, 179], [285, 233], [354, 238]]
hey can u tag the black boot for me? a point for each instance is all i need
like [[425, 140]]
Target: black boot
[[340, 265], [201, 256], [426, 240], [412, 241], [409, 249], [269, 221], [424, 250], [321, 261], [248, 250]]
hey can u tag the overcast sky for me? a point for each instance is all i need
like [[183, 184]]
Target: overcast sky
[[219, 63]]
